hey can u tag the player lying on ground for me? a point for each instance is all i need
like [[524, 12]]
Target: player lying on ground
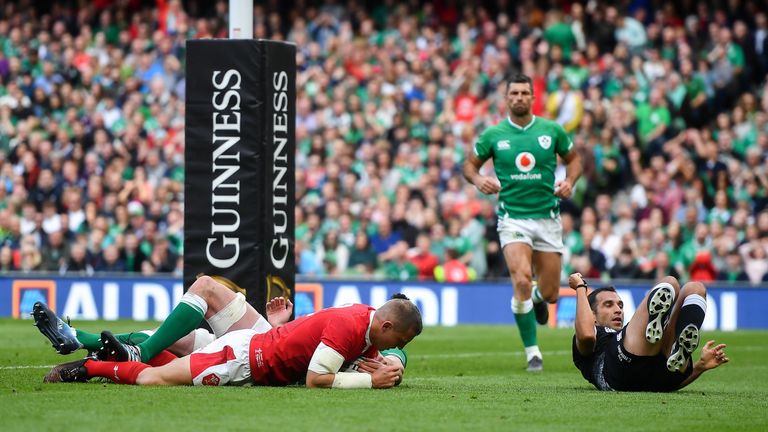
[[653, 351], [314, 347], [66, 339]]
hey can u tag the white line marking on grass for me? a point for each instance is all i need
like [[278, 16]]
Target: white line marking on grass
[[488, 354], [25, 367], [552, 353]]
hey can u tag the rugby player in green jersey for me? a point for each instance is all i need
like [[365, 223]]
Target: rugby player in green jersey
[[524, 149]]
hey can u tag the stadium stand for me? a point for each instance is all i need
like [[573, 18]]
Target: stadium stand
[[667, 105]]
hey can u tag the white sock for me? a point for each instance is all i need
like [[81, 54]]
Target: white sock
[[695, 299], [532, 351], [536, 294], [521, 307], [195, 301]]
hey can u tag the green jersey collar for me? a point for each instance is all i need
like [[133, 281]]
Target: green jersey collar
[[525, 128]]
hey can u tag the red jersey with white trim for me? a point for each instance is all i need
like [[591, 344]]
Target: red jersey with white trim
[[281, 356]]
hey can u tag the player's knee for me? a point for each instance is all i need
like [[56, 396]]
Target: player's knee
[[522, 278], [694, 288], [550, 297], [672, 281], [522, 285], [149, 377], [204, 286]]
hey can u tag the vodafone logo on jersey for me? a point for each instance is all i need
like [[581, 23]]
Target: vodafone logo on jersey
[[525, 162]]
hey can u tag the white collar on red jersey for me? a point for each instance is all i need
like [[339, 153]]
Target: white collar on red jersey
[[368, 332]]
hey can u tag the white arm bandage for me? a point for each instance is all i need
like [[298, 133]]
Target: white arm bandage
[[352, 380], [325, 360]]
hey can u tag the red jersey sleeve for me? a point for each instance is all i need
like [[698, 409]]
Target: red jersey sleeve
[[344, 335]]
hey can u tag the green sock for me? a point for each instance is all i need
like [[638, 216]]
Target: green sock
[[526, 324], [90, 341], [184, 318], [133, 338]]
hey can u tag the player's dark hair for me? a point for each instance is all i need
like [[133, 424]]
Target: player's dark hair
[[592, 297], [403, 313], [520, 78], [400, 296]]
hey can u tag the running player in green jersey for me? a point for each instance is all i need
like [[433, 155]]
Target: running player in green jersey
[[524, 149]]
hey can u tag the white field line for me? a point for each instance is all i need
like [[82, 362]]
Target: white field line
[[485, 354], [25, 367]]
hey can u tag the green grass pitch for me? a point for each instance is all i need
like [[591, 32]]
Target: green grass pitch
[[461, 378]]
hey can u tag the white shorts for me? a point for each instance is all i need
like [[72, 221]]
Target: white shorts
[[543, 235], [224, 361]]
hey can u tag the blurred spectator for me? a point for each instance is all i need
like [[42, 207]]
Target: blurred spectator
[[362, 259], [626, 266], [131, 254], [667, 107], [734, 269], [453, 270], [422, 257], [396, 263], [55, 252], [596, 259], [702, 269], [755, 260], [111, 261], [334, 254], [30, 255], [653, 119], [6, 260], [566, 106], [658, 268], [307, 262], [77, 262], [384, 238]]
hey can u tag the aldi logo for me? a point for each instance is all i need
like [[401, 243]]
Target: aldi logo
[[545, 141], [25, 293]]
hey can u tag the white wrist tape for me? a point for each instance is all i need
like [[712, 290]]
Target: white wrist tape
[[352, 380]]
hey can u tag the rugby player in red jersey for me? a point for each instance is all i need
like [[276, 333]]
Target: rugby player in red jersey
[[311, 348]]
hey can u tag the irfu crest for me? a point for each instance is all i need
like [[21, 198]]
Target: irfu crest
[[545, 141]]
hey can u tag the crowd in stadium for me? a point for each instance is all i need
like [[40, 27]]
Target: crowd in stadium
[[667, 105]]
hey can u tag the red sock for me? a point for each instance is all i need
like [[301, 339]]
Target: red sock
[[119, 372], [161, 359]]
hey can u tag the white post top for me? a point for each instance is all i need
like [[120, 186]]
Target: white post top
[[241, 19]]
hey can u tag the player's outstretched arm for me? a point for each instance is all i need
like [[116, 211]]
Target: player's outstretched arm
[[586, 334], [323, 372], [279, 311], [711, 357], [381, 378]]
